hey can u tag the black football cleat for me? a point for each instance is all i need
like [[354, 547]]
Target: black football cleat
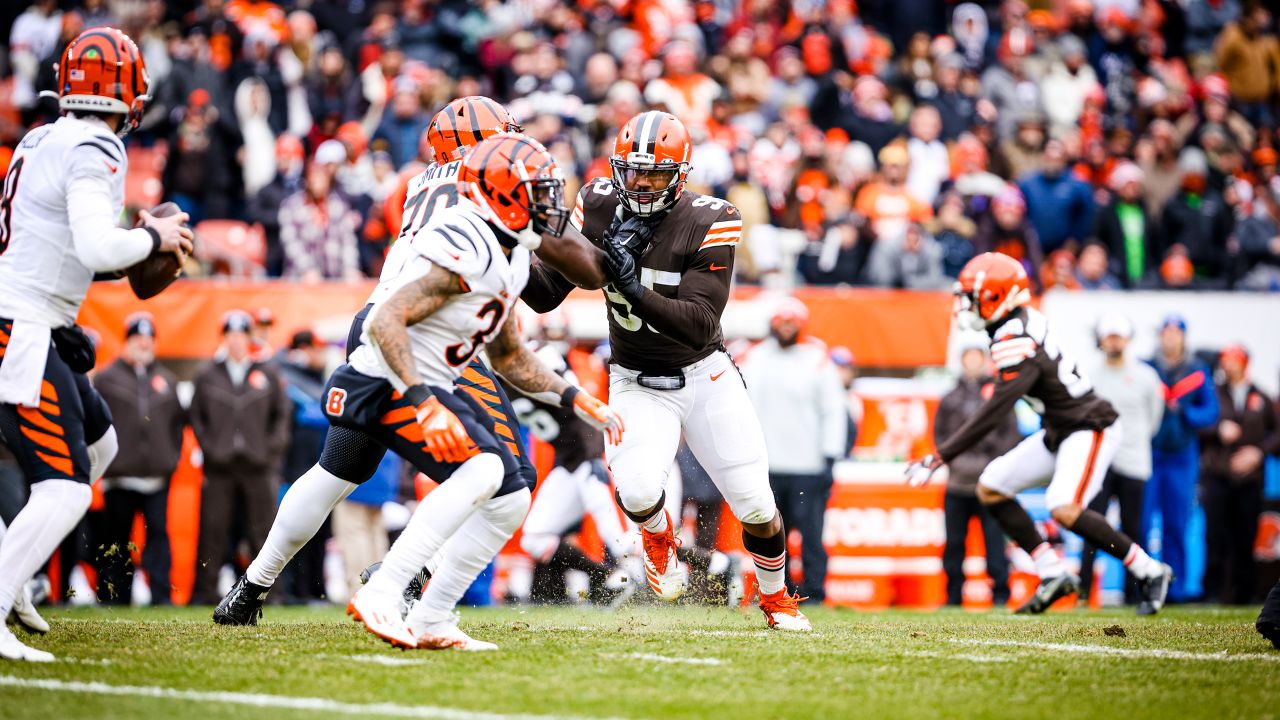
[[1049, 591], [1153, 591], [243, 605], [412, 593], [1269, 619], [1270, 630]]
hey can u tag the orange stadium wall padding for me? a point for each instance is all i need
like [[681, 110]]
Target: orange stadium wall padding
[[883, 328]]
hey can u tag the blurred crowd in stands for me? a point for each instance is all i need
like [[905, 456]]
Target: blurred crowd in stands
[[1105, 143]]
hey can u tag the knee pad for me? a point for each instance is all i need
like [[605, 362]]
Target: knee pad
[[640, 491], [102, 453]]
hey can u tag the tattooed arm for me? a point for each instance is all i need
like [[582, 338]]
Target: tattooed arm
[[524, 371], [520, 367], [390, 320]]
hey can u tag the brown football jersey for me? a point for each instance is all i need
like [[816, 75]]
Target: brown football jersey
[[1031, 364], [687, 270]]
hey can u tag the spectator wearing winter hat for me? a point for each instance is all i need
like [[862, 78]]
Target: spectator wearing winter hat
[[872, 118], [1059, 205], [1191, 405], [149, 421], [1126, 229], [1134, 390], [1248, 55], [1198, 220], [1024, 151], [1235, 451], [318, 230], [240, 415], [1006, 229], [1068, 82], [1217, 116]]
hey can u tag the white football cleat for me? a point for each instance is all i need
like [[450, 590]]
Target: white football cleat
[[24, 613], [11, 648], [662, 569], [446, 635], [381, 615], [782, 611]]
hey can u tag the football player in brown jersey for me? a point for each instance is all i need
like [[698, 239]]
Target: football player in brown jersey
[[1068, 457], [669, 253]]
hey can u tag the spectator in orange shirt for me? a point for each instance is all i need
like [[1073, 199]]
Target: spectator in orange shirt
[[887, 203]]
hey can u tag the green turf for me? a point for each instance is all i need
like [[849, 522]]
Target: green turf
[[581, 663]]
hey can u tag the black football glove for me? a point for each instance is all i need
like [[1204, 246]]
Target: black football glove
[[76, 348], [620, 266], [634, 233]]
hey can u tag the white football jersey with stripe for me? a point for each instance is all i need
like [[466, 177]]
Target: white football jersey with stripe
[[459, 240], [429, 191], [43, 278]]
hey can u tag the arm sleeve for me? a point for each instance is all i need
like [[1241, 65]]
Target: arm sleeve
[[1011, 384], [546, 288], [835, 413], [692, 318], [1155, 402], [92, 216], [1200, 409]]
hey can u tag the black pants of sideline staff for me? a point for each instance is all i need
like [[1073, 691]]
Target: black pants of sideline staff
[[957, 510], [1232, 510], [115, 570], [245, 493], [802, 502], [1130, 492]]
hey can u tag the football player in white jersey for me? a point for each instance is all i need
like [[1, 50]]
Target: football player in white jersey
[[62, 196], [453, 131]]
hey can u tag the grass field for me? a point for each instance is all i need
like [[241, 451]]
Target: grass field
[[661, 662]]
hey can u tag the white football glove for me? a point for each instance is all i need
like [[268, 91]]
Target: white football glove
[[920, 472]]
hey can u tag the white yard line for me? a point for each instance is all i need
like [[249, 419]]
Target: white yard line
[[728, 633], [650, 657], [1150, 653], [961, 656], [387, 660], [285, 702]]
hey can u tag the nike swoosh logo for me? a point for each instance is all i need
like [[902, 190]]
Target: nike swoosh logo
[[715, 267], [717, 375], [112, 168]]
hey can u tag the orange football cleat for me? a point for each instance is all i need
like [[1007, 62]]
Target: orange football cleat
[[782, 610], [662, 568]]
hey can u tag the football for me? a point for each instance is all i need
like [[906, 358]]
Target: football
[[151, 276]]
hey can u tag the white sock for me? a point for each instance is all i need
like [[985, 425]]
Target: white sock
[[658, 523], [101, 453], [54, 509], [1048, 564], [438, 517], [1141, 564], [467, 554], [301, 513]]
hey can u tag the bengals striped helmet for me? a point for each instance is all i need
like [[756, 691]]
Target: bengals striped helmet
[[518, 187], [990, 287], [651, 162], [465, 122], [102, 71]]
